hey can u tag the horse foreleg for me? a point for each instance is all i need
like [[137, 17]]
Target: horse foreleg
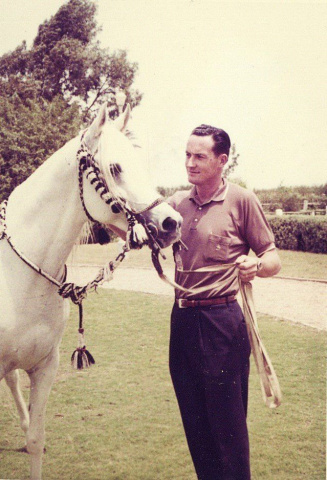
[[42, 378], [12, 379]]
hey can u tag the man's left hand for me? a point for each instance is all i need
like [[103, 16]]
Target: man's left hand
[[248, 267]]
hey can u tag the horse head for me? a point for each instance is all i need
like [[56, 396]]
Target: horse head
[[119, 186]]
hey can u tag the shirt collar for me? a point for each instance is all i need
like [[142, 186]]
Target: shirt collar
[[218, 196]]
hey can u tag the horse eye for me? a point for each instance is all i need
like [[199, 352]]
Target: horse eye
[[115, 169]]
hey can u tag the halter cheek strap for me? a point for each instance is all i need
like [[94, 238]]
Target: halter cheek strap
[[87, 166]]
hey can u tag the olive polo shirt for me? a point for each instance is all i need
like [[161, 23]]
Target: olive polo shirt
[[216, 232]]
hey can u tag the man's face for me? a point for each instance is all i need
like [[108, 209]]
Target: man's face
[[202, 165]]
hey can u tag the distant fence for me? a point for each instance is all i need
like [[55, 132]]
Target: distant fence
[[318, 211], [308, 209]]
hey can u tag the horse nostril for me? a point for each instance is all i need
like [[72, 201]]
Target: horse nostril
[[169, 224]]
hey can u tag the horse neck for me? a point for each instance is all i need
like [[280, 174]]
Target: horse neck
[[44, 215]]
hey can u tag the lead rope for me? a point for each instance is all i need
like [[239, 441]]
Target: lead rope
[[270, 388], [81, 357], [269, 383]]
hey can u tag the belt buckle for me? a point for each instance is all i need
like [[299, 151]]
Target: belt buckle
[[180, 302]]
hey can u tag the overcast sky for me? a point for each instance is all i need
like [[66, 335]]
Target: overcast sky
[[256, 69]]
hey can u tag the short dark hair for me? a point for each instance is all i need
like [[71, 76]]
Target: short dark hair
[[220, 137]]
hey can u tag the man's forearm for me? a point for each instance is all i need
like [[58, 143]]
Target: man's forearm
[[270, 264]]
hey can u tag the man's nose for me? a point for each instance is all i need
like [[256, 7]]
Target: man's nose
[[190, 161]]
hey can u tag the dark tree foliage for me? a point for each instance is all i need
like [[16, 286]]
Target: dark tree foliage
[[232, 161], [65, 59], [30, 132], [48, 91]]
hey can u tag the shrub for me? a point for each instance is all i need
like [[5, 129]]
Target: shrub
[[300, 233]]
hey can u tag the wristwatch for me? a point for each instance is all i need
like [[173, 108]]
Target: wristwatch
[[259, 265]]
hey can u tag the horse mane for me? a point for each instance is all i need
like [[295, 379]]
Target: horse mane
[[85, 234], [130, 135]]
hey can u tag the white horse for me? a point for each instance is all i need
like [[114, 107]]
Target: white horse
[[44, 217]]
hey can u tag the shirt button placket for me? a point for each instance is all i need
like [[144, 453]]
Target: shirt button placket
[[196, 219]]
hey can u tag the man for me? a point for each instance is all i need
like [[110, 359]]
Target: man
[[209, 346]]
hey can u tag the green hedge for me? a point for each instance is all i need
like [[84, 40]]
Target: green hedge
[[300, 233]]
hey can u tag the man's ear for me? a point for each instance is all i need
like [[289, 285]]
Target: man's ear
[[223, 159]]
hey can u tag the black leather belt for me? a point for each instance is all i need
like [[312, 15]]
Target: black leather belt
[[184, 303]]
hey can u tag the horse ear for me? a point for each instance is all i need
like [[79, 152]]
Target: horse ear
[[122, 121], [94, 131]]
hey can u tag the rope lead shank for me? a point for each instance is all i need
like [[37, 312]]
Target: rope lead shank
[[87, 166]]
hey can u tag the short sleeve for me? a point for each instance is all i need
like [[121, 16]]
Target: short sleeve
[[257, 231]]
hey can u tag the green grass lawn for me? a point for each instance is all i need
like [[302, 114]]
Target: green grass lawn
[[119, 420], [294, 264]]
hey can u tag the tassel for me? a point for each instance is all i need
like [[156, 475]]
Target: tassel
[[136, 236], [81, 358]]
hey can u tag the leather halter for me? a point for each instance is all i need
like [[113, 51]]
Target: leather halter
[[81, 358], [75, 293], [88, 166]]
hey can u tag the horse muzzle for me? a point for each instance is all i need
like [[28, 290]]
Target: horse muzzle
[[163, 224], [170, 231]]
